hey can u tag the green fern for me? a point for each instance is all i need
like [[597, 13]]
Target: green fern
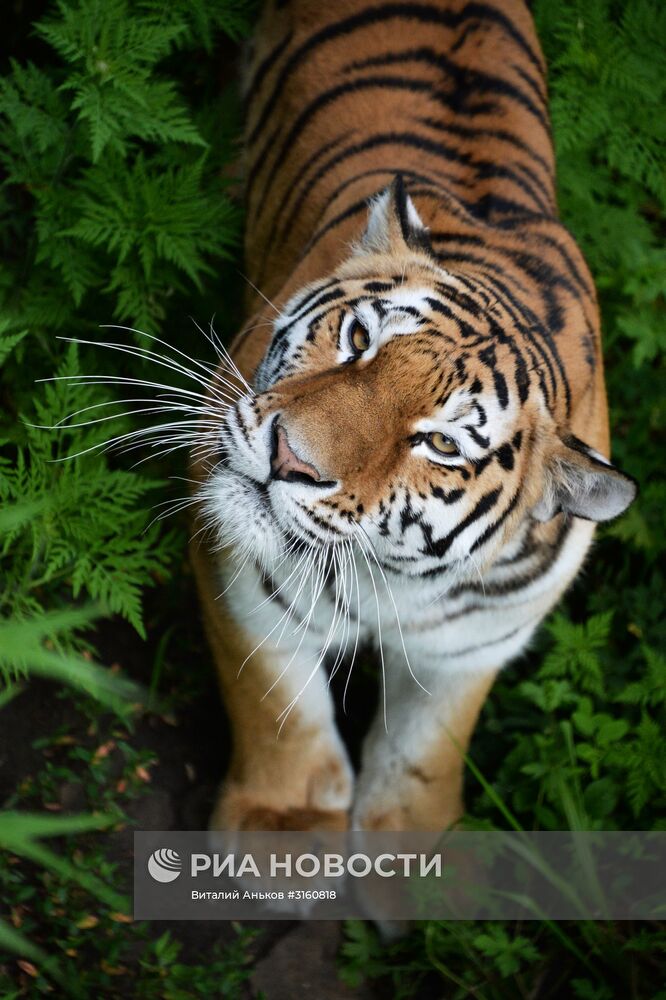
[[145, 219], [89, 536], [111, 58]]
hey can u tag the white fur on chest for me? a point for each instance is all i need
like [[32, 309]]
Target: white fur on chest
[[416, 629]]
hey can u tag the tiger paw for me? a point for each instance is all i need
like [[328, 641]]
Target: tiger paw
[[317, 800], [242, 823], [237, 810]]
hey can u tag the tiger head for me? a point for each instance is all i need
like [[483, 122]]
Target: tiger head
[[398, 402]]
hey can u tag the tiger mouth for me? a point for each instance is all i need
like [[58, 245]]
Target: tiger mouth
[[294, 536]]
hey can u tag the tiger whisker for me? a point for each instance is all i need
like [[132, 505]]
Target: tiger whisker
[[118, 443], [379, 632], [234, 577], [208, 369], [162, 408], [259, 292], [284, 715], [260, 644], [288, 613], [395, 609], [222, 352], [176, 508], [146, 355], [266, 637], [344, 561], [112, 380], [277, 590], [358, 628]]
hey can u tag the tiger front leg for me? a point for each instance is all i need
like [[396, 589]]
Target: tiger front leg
[[299, 781], [412, 768], [284, 775], [288, 773]]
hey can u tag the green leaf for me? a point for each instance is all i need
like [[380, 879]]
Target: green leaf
[[600, 798], [12, 940], [9, 341], [21, 833]]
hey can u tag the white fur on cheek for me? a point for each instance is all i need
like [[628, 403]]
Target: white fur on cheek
[[235, 512]]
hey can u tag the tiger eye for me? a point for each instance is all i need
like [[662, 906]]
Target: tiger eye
[[359, 337], [441, 444]]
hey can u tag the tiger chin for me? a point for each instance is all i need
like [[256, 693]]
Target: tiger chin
[[414, 457]]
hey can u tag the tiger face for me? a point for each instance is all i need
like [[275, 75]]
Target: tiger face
[[396, 402]]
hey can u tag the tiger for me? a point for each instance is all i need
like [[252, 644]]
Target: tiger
[[411, 440]]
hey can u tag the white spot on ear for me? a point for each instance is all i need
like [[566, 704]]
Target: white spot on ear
[[415, 220], [383, 232], [377, 237]]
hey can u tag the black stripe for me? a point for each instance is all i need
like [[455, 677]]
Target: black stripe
[[496, 525], [483, 168], [465, 328], [525, 326], [536, 86], [451, 497], [329, 96], [319, 521], [485, 504], [264, 66], [475, 132], [477, 208], [424, 13], [328, 296], [581, 279], [468, 80], [480, 439], [493, 642], [235, 412], [293, 188], [314, 293], [489, 589], [388, 171], [527, 322]]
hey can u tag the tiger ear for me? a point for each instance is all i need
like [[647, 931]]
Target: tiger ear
[[582, 482], [393, 223]]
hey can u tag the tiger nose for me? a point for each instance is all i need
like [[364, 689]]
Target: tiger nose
[[285, 463]]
